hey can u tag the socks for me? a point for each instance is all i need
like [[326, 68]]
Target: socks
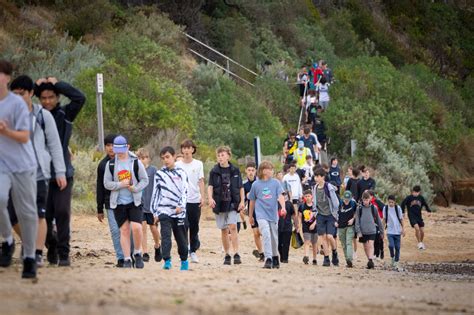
[[128, 258], [9, 240], [137, 251], [39, 252]]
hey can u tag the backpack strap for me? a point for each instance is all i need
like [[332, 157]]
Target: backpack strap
[[112, 166], [374, 213], [136, 170]]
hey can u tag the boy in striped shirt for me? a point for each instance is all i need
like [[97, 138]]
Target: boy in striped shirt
[[169, 207]]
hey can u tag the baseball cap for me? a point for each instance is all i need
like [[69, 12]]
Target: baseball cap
[[120, 144], [347, 195]]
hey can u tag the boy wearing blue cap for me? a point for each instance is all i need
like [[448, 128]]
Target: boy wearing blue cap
[[126, 178]]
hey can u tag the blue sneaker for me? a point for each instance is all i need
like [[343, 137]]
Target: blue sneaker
[[184, 265], [167, 265]]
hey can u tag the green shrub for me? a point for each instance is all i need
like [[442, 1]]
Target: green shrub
[[48, 55], [400, 165], [84, 190], [228, 114], [135, 103]]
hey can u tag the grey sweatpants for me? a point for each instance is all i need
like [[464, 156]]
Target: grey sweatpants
[[23, 192], [269, 231]]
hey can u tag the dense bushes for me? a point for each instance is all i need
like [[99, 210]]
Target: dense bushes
[[135, 103], [228, 114]]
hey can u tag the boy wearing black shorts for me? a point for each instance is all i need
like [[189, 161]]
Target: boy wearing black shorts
[[414, 203], [307, 217], [148, 219], [126, 178]]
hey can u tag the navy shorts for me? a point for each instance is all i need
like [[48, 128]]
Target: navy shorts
[[326, 224], [148, 218]]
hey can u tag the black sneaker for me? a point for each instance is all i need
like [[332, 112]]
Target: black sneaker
[[261, 257], [268, 264], [370, 264], [29, 268], [227, 260], [158, 256], [349, 263], [315, 262], [127, 264], [335, 258], [139, 261], [306, 260], [284, 261], [119, 263], [7, 254], [52, 255], [146, 257], [256, 253], [326, 262], [64, 261], [237, 260], [275, 262]]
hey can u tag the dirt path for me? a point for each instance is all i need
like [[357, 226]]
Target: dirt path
[[432, 284]]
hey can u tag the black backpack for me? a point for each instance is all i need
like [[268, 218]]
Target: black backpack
[[135, 168], [385, 213]]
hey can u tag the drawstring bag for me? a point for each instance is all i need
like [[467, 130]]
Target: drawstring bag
[[296, 240]]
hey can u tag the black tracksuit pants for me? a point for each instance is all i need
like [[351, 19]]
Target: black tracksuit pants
[[59, 208], [284, 239], [193, 213], [179, 229], [378, 245]]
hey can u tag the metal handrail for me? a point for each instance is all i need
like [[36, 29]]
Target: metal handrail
[[219, 66], [220, 54]]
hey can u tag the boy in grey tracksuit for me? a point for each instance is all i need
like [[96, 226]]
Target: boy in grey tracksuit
[[366, 222], [47, 148]]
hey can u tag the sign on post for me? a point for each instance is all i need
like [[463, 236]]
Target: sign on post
[[100, 119], [258, 153]]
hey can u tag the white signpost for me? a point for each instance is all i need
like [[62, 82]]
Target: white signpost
[[100, 119]]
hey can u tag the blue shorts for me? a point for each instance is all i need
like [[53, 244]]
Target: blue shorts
[[326, 224]]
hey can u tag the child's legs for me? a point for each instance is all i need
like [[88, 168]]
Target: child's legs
[[193, 211], [166, 228], [264, 227], [422, 233], [224, 236], [234, 237], [314, 243], [391, 244], [397, 241], [274, 237], [41, 199], [125, 238], [180, 235], [24, 200], [41, 235], [284, 239], [417, 232], [137, 233], [5, 225], [114, 233], [325, 244], [144, 238], [307, 243], [354, 244], [342, 233], [258, 239], [349, 237], [156, 235], [369, 249]]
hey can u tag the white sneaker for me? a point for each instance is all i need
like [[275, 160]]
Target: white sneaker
[[194, 258], [423, 246], [354, 255], [420, 245]]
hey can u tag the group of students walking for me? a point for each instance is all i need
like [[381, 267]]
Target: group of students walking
[[36, 178], [36, 174]]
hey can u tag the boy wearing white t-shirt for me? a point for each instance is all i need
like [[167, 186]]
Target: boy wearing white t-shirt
[[195, 171], [293, 180], [393, 218]]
